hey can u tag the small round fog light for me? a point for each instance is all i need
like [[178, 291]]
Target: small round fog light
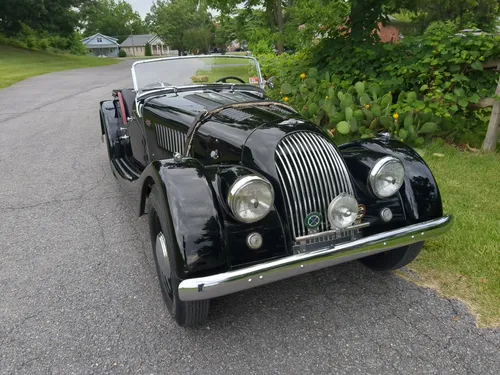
[[386, 214], [254, 241]]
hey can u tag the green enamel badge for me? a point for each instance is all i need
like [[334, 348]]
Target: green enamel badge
[[313, 220]]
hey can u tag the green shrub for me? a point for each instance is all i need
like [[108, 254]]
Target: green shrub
[[44, 44], [29, 38], [261, 47], [441, 29], [428, 79], [147, 50], [122, 53]]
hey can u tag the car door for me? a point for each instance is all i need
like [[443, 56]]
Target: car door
[[138, 140]]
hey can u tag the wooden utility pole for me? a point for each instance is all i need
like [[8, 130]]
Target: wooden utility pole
[[491, 139]]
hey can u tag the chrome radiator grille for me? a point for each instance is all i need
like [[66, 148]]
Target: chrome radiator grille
[[311, 173], [170, 139]]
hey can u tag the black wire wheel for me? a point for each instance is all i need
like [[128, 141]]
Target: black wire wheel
[[165, 249]]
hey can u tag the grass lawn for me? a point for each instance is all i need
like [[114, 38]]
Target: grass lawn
[[215, 72], [17, 64], [229, 60], [465, 263]]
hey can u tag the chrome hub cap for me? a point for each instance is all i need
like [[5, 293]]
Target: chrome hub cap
[[163, 263]]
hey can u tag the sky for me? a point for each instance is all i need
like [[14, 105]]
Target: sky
[[141, 6]]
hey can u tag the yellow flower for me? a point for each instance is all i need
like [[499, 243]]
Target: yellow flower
[[285, 98], [396, 116], [303, 75], [326, 97], [367, 106]]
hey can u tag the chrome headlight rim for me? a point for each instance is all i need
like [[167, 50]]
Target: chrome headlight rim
[[374, 172], [334, 203], [236, 187]]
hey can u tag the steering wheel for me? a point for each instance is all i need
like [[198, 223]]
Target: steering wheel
[[224, 79]]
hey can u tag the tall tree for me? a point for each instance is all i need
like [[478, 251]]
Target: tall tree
[[478, 13], [110, 17], [54, 16], [273, 10], [183, 24]]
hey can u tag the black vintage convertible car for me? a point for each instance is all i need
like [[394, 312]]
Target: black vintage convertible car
[[240, 191]]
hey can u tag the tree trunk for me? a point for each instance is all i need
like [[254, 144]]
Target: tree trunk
[[491, 139], [279, 22]]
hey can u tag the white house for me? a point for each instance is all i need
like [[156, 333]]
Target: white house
[[135, 45], [101, 45]]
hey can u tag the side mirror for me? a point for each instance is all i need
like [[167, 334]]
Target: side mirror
[[272, 82]]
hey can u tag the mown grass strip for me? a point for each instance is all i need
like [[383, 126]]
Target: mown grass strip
[[17, 64], [465, 263]]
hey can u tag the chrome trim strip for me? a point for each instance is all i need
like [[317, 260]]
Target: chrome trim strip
[[331, 232], [207, 287]]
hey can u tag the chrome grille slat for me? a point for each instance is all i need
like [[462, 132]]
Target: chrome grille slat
[[323, 157], [312, 173], [170, 139], [322, 197], [299, 189], [323, 176], [345, 174], [297, 206], [288, 200], [306, 192], [329, 176], [333, 158]]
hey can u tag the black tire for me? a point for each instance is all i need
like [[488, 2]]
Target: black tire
[[393, 259], [185, 313]]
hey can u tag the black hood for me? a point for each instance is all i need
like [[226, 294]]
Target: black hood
[[259, 149], [228, 130], [247, 135]]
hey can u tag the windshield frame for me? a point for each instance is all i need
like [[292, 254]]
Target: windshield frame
[[140, 91]]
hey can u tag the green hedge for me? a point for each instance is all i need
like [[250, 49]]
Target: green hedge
[[29, 38], [401, 88]]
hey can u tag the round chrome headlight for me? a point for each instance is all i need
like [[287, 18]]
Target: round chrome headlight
[[342, 211], [251, 198], [386, 176]]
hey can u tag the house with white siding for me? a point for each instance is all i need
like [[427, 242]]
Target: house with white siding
[[101, 45]]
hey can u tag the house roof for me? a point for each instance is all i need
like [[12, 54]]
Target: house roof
[[109, 38], [138, 40]]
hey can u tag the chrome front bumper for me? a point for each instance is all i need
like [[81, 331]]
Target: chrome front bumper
[[264, 273]]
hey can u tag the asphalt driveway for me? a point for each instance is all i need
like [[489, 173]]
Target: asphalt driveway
[[78, 292]]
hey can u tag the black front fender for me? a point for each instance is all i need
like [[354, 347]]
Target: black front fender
[[195, 214], [419, 194]]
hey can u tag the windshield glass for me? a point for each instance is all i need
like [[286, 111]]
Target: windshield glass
[[195, 70]]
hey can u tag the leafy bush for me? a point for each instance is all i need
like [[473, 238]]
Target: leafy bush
[[428, 79], [261, 47], [360, 110], [147, 50], [122, 53], [29, 38], [441, 29]]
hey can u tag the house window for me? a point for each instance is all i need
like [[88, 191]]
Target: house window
[[99, 40]]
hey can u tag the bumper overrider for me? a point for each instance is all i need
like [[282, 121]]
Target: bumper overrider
[[264, 273]]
